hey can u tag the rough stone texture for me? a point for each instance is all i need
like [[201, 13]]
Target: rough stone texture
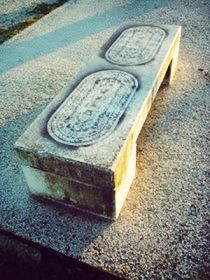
[[129, 93], [13, 12], [136, 45], [163, 230], [93, 109]]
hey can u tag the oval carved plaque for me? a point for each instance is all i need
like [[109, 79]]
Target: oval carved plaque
[[136, 45], [93, 109]]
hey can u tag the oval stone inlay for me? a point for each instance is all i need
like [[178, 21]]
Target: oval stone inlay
[[93, 109], [136, 45]]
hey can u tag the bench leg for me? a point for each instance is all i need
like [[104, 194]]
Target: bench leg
[[122, 191], [173, 65]]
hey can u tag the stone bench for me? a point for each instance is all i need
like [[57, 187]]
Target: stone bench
[[81, 150]]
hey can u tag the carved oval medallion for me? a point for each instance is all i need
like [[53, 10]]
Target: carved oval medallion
[[93, 108], [136, 45]]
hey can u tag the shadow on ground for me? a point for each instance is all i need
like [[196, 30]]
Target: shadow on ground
[[61, 37], [20, 261], [32, 15]]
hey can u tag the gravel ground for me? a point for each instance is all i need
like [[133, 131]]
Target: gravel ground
[[163, 230], [16, 11], [17, 15]]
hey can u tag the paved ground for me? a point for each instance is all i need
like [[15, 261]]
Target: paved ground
[[13, 12], [17, 15], [163, 231]]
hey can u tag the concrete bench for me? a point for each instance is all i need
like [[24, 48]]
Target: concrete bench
[[81, 150]]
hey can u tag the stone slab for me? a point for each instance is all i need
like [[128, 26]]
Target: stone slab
[[101, 162]]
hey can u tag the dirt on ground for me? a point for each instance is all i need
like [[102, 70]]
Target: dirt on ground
[[31, 16]]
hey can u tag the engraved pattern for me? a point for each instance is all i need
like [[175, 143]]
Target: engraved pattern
[[136, 45], [93, 109]]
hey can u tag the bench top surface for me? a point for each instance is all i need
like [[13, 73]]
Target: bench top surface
[[102, 153]]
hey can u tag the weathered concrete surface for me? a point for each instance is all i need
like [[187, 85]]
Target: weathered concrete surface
[[109, 150], [163, 229]]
